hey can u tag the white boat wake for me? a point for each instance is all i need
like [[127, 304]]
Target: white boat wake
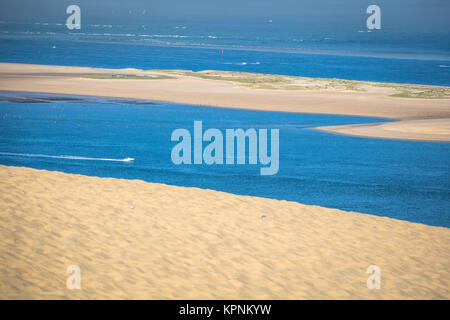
[[31, 155]]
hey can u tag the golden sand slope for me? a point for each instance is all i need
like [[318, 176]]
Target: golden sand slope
[[191, 243], [424, 129]]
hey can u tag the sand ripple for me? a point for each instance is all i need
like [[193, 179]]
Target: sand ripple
[[190, 243]]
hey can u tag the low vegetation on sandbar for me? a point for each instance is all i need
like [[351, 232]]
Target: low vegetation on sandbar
[[283, 82], [274, 81], [126, 76]]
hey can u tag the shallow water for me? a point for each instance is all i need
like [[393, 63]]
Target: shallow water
[[407, 180]]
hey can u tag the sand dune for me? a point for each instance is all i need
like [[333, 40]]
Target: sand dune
[[190, 243]]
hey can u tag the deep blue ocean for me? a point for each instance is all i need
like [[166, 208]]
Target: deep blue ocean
[[407, 180], [383, 55]]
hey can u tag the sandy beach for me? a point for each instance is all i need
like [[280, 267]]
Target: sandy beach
[[190, 243], [253, 91]]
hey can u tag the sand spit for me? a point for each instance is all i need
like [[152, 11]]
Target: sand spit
[[423, 129], [247, 91]]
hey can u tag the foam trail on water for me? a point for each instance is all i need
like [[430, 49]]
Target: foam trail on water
[[31, 155]]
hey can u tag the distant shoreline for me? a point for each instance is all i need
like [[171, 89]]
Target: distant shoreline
[[263, 92]]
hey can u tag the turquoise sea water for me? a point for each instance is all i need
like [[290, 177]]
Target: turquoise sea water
[[407, 180]]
